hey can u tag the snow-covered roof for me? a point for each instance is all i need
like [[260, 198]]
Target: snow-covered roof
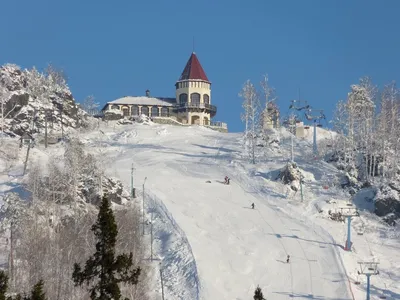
[[143, 100]]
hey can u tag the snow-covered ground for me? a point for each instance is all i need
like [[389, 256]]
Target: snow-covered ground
[[208, 241]]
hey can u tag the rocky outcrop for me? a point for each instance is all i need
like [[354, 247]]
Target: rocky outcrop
[[114, 188], [89, 190], [290, 175], [30, 97], [387, 202]]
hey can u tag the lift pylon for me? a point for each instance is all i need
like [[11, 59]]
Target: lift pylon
[[368, 268], [348, 212]]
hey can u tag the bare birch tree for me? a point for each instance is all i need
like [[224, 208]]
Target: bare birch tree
[[251, 105]]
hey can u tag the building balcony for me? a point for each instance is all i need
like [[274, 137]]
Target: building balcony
[[212, 109]]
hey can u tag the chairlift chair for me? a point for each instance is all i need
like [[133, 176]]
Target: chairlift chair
[[360, 231], [357, 282], [306, 127]]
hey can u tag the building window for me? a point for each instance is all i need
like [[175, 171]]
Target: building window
[[154, 111], [145, 110], [164, 112], [115, 106], [135, 110], [206, 99], [183, 98], [195, 98]]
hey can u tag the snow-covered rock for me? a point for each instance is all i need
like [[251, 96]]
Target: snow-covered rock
[[29, 96], [290, 175], [114, 188], [145, 120], [387, 202]]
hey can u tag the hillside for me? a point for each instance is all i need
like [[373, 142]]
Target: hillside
[[211, 225], [208, 241]]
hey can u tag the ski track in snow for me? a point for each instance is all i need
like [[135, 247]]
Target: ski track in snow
[[212, 245]]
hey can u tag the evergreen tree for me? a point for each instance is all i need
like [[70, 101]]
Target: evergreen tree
[[3, 285], [37, 292], [103, 269], [258, 295]]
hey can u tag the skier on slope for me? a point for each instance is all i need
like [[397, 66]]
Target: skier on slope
[[288, 258], [252, 205]]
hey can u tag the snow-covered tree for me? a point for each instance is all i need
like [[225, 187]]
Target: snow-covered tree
[[6, 85], [388, 122], [90, 105], [251, 105], [13, 211], [56, 75], [271, 110]]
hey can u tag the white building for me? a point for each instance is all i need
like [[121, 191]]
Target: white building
[[191, 105]]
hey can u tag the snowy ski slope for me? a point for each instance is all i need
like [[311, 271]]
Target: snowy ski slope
[[208, 241], [234, 247]]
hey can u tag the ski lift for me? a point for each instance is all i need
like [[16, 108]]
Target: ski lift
[[306, 127], [361, 229], [319, 125], [357, 281]]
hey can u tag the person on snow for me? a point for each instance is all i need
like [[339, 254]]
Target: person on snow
[[252, 205], [288, 258], [226, 180]]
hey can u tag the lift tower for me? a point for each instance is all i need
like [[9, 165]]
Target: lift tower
[[368, 269], [310, 117], [348, 212], [296, 106]]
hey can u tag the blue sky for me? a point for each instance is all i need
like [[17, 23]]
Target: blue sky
[[116, 48]]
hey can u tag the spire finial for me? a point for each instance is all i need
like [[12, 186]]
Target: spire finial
[[193, 44]]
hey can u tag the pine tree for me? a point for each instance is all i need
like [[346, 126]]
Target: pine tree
[[37, 292], [3, 285], [103, 269], [258, 295]]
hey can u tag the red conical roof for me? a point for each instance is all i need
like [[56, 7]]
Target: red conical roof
[[193, 69]]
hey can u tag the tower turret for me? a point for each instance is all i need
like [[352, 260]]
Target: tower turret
[[193, 94]]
